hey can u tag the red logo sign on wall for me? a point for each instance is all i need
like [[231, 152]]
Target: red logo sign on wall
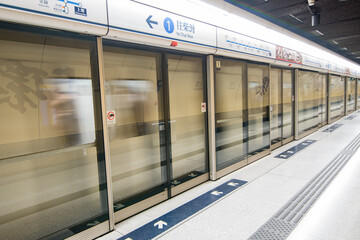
[[288, 55]]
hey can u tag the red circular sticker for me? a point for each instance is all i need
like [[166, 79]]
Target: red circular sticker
[[111, 115]]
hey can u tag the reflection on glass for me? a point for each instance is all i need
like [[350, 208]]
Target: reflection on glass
[[132, 99], [276, 106], [229, 106], [337, 84], [358, 93], [187, 122], [287, 104], [309, 92], [350, 95], [322, 98], [46, 104], [258, 102], [68, 109]]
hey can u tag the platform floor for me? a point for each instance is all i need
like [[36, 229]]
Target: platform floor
[[271, 183]]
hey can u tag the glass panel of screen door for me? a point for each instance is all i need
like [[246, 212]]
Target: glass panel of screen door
[[52, 164], [187, 120], [258, 108], [337, 85], [358, 93], [132, 96], [276, 105], [287, 114], [350, 95], [308, 101], [322, 104], [230, 102]]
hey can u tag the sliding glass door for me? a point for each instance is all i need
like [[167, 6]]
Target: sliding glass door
[[281, 97], [308, 94], [287, 106], [258, 109], [350, 95], [156, 110], [276, 107], [337, 97], [52, 174], [136, 124], [187, 103], [231, 119]]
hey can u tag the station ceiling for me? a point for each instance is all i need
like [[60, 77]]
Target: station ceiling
[[338, 30]]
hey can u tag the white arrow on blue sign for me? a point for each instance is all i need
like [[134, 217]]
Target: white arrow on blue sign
[[233, 184], [160, 224], [216, 193]]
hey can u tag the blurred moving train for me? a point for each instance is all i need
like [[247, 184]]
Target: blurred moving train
[[110, 107]]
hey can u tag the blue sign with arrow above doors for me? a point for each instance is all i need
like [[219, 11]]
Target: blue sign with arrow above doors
[[149, 21]]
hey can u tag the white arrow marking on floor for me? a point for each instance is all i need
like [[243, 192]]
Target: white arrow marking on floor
[[234, 184], [283, 156], [290, 151], [175, 182], [216, 193], [92, 224], [129, 239], [160, 224], [192, 175], [119, 206], [304, 144]]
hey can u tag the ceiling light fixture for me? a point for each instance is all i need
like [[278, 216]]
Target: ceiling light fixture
[[315, 20], [319, 32], [296, 18], [315, 13]]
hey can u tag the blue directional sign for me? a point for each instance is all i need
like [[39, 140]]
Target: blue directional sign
[[169, 25], [170, 219], [332, 128], [351, 117], [149, 21], [290, 152]]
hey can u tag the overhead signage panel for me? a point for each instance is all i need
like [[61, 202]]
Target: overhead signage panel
[[315, 62], [139, 18], [244, 44], [288, 55], [86, 11]]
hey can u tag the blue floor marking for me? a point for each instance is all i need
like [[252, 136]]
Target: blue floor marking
[[351, 117], [290, 152], [333, 127], [170, 219]]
